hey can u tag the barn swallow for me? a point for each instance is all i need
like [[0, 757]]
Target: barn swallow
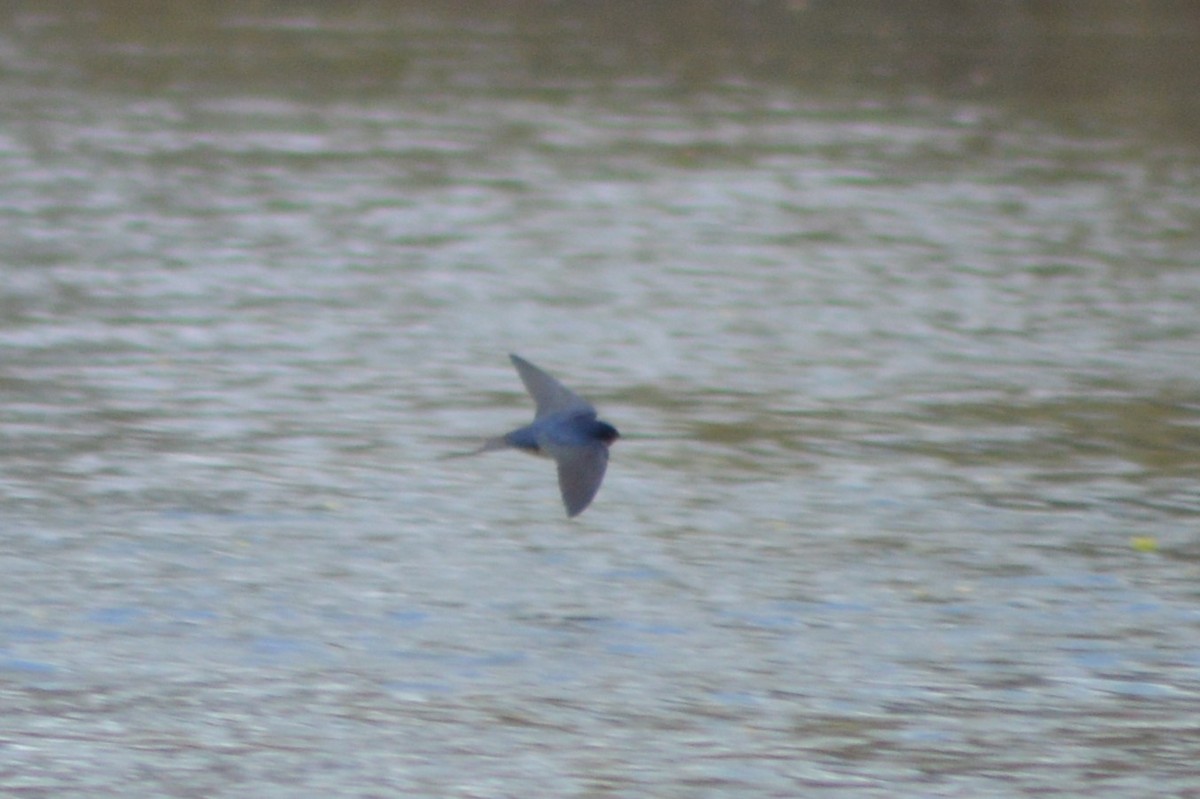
[[564, 428]]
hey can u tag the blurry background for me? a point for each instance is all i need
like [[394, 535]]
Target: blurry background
[[895, 302]]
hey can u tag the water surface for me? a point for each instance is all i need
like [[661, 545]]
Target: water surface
[[907, 503]]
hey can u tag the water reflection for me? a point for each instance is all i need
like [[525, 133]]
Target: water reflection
[[1125, 64]]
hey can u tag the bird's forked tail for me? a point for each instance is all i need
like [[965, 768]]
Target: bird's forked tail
[[488, 446]]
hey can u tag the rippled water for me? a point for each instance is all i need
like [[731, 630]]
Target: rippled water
[[907, 503]]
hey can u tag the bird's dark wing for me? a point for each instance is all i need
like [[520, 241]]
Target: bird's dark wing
[[580, 472], [550, 395]]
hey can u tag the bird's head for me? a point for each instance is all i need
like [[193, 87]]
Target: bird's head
[[605, 432]]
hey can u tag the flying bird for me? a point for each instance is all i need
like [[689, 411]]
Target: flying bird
[[564, 428]]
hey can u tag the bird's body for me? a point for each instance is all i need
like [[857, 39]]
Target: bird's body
[[565, 427]]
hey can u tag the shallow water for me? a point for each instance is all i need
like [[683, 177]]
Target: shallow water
[[907, 500]]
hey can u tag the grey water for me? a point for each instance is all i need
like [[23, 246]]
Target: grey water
[[905, 350]]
